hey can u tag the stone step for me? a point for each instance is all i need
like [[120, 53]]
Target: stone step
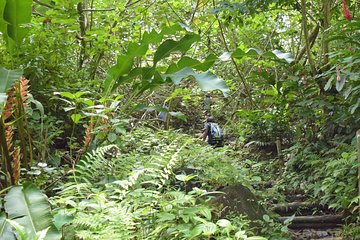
[[301, 208], [312, 234], [321, 221]]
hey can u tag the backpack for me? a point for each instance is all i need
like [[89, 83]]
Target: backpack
[[215, 132]]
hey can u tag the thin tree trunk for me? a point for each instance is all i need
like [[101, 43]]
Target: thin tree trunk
[[326, 25], [83, 23], [242, 78], [306, 37], [313, 35]]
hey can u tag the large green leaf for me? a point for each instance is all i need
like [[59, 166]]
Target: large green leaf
[[2, 22], [192, 63], [152, 37], [6, 231], [16, 14], [30, 208], [7, 78], [125, 63], [253, 52], [155, 37], [169, 46], [206, 80]]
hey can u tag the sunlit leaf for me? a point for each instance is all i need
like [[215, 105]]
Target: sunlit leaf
[[286, 56], [76, 118], [207, 81], [66, 94], [226, 56], [328, 84], [223, 223], [256, 238], [178, 115], [209, 228]]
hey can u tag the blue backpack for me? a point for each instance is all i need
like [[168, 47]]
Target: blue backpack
[[215, 132]]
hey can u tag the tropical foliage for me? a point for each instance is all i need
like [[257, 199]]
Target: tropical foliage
[[101, 104]]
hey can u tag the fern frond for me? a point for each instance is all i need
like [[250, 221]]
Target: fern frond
[[342, 161], [89, 170], [111, 221]]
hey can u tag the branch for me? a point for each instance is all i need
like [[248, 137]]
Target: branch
[[98, 10], [196, 7], [312, 38], [43, 4], [129, 3], [37, 14]]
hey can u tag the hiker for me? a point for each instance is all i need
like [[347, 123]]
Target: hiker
[[213, 133]]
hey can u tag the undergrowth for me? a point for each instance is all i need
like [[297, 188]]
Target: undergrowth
[[139, 190]]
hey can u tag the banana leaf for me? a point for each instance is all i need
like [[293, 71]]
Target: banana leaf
[[6, 231], [7, 79], [30, 208]]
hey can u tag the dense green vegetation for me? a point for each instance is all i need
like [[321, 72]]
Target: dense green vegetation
[[84, 154]]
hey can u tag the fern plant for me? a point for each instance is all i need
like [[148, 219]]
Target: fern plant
[[88, 183], [92, 169], [127, 192], [104, 219], [329, 176]]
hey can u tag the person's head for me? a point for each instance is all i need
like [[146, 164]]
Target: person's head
[[210, 119]]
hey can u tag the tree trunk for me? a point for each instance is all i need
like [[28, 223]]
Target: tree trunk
[[313, 35], [83, 18], [306, 37], [326, 24]]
